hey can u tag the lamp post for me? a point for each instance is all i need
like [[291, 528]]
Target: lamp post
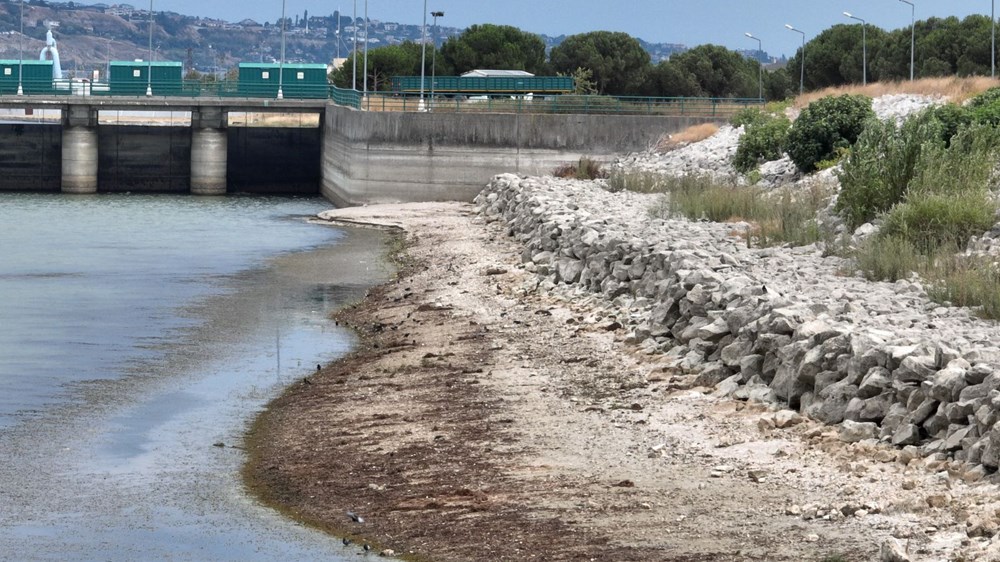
[[864, 47], [993, 42], [423, 55], [149, 64], [760, 66], [366, 48], [913, 33], [802, 69], [20, 55], [281, 64], [354, 54], [436, 15]]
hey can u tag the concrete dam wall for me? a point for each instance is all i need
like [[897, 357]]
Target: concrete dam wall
[[380, 157]]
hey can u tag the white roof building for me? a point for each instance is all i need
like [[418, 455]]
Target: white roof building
[[479, 73]]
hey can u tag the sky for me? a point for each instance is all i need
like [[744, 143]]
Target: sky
[[691, 22]]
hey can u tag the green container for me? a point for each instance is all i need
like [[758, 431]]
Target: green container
[[36, 77], [131, 78], [299, 81]]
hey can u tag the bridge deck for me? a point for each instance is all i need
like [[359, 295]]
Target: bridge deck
[[132, 103]]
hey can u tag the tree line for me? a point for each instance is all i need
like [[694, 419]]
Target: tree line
[[614, 63]]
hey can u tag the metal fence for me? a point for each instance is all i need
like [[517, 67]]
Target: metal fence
[[402, 102]]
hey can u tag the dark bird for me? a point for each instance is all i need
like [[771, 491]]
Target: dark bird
[[367, 548], [355, 517], [319, 367], [347, 541]]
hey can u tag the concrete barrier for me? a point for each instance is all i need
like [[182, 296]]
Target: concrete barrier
[[382, 157]]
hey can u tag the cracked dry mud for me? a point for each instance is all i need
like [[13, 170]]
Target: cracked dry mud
[[482, 419]]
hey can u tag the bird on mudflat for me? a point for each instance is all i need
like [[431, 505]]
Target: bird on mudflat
[[346, 541], [355, 517]]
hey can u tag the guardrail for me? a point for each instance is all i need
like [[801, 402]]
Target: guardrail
[[399, 102]]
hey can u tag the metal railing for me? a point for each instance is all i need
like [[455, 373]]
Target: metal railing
[[563, 104], [397, 102]]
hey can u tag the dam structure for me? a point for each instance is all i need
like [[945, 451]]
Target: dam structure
[[349, 155]]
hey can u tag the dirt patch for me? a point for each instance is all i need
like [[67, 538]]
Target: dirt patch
[[482, 418]]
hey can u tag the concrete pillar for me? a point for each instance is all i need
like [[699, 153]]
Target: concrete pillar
[[209, 149], [79, 159]]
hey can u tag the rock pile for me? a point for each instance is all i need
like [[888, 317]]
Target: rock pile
[[779, 324]]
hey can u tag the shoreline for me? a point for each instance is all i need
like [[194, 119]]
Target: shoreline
[[485, 417]]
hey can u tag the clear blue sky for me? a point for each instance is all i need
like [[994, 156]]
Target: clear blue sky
[[692, 22]]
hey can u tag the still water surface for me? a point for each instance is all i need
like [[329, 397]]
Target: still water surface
[[136, 333]]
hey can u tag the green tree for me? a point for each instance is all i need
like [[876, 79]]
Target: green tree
[[834, 57], [618, 61], [719, 72], [489, 46], [670, 80], [383, 64]]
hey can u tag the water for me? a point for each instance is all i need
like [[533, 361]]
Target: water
[[136, 332]]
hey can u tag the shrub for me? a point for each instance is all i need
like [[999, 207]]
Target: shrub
[[762, 140], [878, 170], [966, 281], [585, 169], [930, 221], [952, 119], [826, 125], [747, 116], [887, 258]]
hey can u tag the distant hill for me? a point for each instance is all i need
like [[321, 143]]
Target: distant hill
[[90, 36]]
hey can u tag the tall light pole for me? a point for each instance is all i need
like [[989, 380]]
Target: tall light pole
[[149, 64], [760, 66], [864, 47], [366, 48], [20, 56], [993, 43], [802, 70], [281, 64], [423, 55], [434, 54], [913, 33], [354, 54]]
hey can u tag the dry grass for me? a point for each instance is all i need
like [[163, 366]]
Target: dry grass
[[954, 89], [693, 134]]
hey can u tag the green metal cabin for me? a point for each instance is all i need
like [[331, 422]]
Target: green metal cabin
[[36, 76], [130, 78], [486, 84], [260, 80]]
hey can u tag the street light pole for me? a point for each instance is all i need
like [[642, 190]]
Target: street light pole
[[993, 44], [423, 55], [913, 33], [760, 66], [20, 56], [354, 54], [802, 70], [434, 54], [281, 64], [864, 47], [149, 64], [366, 48]]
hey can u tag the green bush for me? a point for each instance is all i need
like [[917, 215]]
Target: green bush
[[762, 140], [965, 281], [930, 221], [952, 118], [887, 258], [585, 169], [826, 125], [747, 116], [878, 170]]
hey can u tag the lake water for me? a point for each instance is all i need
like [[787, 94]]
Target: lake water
[[138, 332]]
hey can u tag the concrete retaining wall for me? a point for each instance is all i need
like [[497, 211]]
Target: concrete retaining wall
[[30, 157], [374, 157]]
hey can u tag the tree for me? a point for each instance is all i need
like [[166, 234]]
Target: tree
[[834, 57], [383, 64], [719, 72], [488, 46], [618, 61], [670, 80]]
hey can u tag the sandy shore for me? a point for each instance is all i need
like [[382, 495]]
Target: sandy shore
[[485, 419]]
